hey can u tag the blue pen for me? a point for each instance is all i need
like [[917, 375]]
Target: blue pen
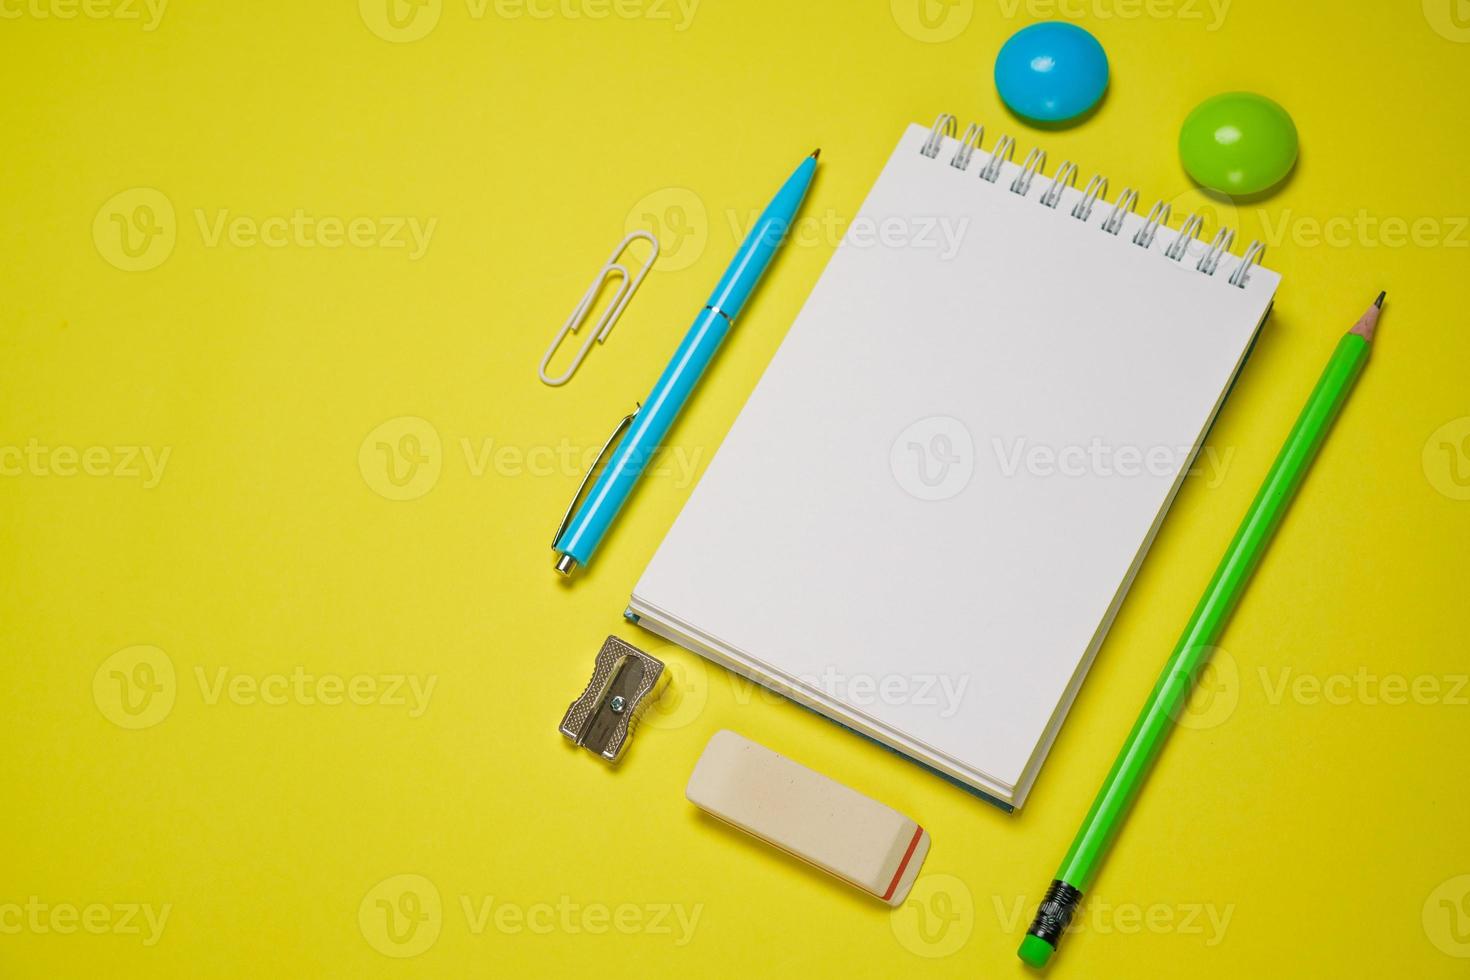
[[583, 527]]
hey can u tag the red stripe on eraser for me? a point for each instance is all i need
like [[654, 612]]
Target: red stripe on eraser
[[918, 836]]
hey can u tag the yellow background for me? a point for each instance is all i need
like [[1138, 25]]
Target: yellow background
[[1325, 831]]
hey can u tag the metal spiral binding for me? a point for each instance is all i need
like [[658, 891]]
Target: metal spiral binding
[[1187, 233], [1157, 215], [1221, 244], [1096, 188], [1094, 192], [1066, 177], [969, 143], [943, 126], [1121, 210], [1251, 258], [1030, 167], [1005, 145]]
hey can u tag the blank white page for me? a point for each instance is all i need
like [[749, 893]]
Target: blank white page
[[809, 550]]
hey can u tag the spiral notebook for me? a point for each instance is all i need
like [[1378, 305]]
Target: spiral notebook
[[931, 507]]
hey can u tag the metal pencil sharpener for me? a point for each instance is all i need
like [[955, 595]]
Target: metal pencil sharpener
[[625, 680]]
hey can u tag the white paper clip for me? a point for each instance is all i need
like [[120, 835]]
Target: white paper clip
[[604, 326]]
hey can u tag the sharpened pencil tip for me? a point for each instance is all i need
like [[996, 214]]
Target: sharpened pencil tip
[[1379, 301], [1368, 323], [816, 153]]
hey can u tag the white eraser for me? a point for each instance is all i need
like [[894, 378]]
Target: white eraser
[[806, 814]]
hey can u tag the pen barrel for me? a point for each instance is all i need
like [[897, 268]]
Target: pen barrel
[[745, 270], [1192, 653], [645, 436]]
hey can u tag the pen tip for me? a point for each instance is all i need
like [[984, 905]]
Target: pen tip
[[816, 153], [1379, 301]]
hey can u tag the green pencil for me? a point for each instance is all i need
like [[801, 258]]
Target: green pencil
[[1156, 720]]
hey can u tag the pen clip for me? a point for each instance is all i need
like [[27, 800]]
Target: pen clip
[[566, 518]]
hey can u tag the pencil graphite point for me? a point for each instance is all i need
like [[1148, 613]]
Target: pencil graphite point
[[1379, 301]]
